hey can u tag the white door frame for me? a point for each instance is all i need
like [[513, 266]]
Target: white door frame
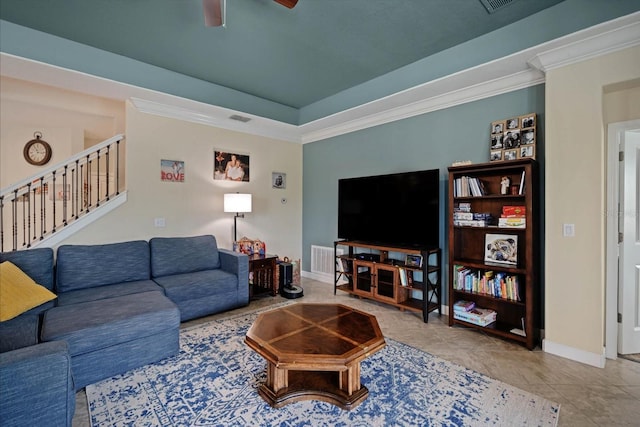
[[615, 133]]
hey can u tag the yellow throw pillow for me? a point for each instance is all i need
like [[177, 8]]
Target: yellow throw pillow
[[18, 292]]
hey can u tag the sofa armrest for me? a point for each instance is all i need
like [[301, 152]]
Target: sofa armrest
[[236, 263], [37, 386]]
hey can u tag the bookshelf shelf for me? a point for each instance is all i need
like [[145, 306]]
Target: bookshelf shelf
[[380, 273], [495, 267]]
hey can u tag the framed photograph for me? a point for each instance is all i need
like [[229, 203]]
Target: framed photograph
[[497, 127], [513, 123], [172, 170], [528, 151], [279, 180], [528, 120], [413, 260], [496, 155], [510, 154], [501, 249], [511, 139], [528, 136], [230, 166], [496, 141]]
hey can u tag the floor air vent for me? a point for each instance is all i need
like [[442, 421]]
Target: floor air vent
[[494, 5]]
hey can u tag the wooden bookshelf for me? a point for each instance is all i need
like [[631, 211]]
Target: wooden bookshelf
[[496, 267]]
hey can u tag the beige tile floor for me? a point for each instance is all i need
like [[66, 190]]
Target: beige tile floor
[[588, 396]]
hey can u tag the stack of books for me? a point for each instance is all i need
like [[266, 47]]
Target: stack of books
[[513, 217], [462, 216], [477, 316]]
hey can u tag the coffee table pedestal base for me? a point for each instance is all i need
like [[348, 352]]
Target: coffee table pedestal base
[[312, 385]]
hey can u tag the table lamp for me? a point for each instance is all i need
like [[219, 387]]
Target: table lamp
[[238, 203]]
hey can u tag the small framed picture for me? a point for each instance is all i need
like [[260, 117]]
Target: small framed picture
[[528, 136], [501, 248], [413, 260], [497, 127], [279, 180], [511, 139], [513, 123], [527, 151], [496, 141], [496, 155], [172, 170], [528, 120], [510, 154]]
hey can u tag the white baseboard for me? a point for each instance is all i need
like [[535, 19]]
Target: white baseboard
[[586, 357]]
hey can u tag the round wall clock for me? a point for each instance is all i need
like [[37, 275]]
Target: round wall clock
[[37, 151]]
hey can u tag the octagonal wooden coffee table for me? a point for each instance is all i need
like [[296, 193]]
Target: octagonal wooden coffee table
[[313, 351]]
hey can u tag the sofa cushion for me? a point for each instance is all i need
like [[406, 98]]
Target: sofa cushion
[[201, 284], [37, 263], [88, 266], [18, 292], [19, 332], [94, 325], [109, 291], [177, 255]]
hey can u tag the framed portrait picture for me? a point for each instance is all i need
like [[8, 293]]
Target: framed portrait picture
[[510, 154], [528, 151], [513, 123], [501, 248], [230, 166], [528, 120], [279, 180], [413, 260], [497, 127], [528, 136], [496, 141], [496, 155], [172, 170]]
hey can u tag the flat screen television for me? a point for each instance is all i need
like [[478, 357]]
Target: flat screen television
[[400, 209]]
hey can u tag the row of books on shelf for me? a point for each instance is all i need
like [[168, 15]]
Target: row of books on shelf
[[499, 285], [469, 312], [466, 186]]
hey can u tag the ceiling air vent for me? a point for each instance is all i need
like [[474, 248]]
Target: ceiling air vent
[[242, 119], [493, 5]]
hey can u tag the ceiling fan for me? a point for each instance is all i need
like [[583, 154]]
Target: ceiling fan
[[215, 11]]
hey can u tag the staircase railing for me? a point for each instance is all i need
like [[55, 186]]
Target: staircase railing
[[43, 204]]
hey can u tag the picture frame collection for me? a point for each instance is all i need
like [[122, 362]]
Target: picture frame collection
[[513, 138]]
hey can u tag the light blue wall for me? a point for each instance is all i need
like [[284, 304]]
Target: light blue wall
[[428, 141]]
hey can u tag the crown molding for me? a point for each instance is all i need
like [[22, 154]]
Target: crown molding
[[513, 72], [596, 41], [516, 71]]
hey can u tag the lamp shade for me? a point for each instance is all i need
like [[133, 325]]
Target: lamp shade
[[237, 202]]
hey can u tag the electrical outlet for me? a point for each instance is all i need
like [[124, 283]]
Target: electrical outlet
[[159, 222], [568, 230]]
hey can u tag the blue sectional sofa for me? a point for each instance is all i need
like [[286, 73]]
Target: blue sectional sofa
[[118, 307]]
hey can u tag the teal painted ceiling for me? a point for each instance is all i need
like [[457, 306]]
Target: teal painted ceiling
[[307, 57]]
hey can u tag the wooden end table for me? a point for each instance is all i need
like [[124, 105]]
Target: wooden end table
[[263, 274], [313, 351]]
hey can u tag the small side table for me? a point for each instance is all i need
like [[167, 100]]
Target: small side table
[[262, 274]]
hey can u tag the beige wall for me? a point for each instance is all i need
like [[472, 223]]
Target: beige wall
[[69, 121], [195, 206], [577, 112]]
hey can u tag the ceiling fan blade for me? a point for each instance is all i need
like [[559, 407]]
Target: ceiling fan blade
[[287, 3], [214, 12]]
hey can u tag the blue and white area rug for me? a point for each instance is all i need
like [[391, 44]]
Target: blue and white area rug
[[213, 381]]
